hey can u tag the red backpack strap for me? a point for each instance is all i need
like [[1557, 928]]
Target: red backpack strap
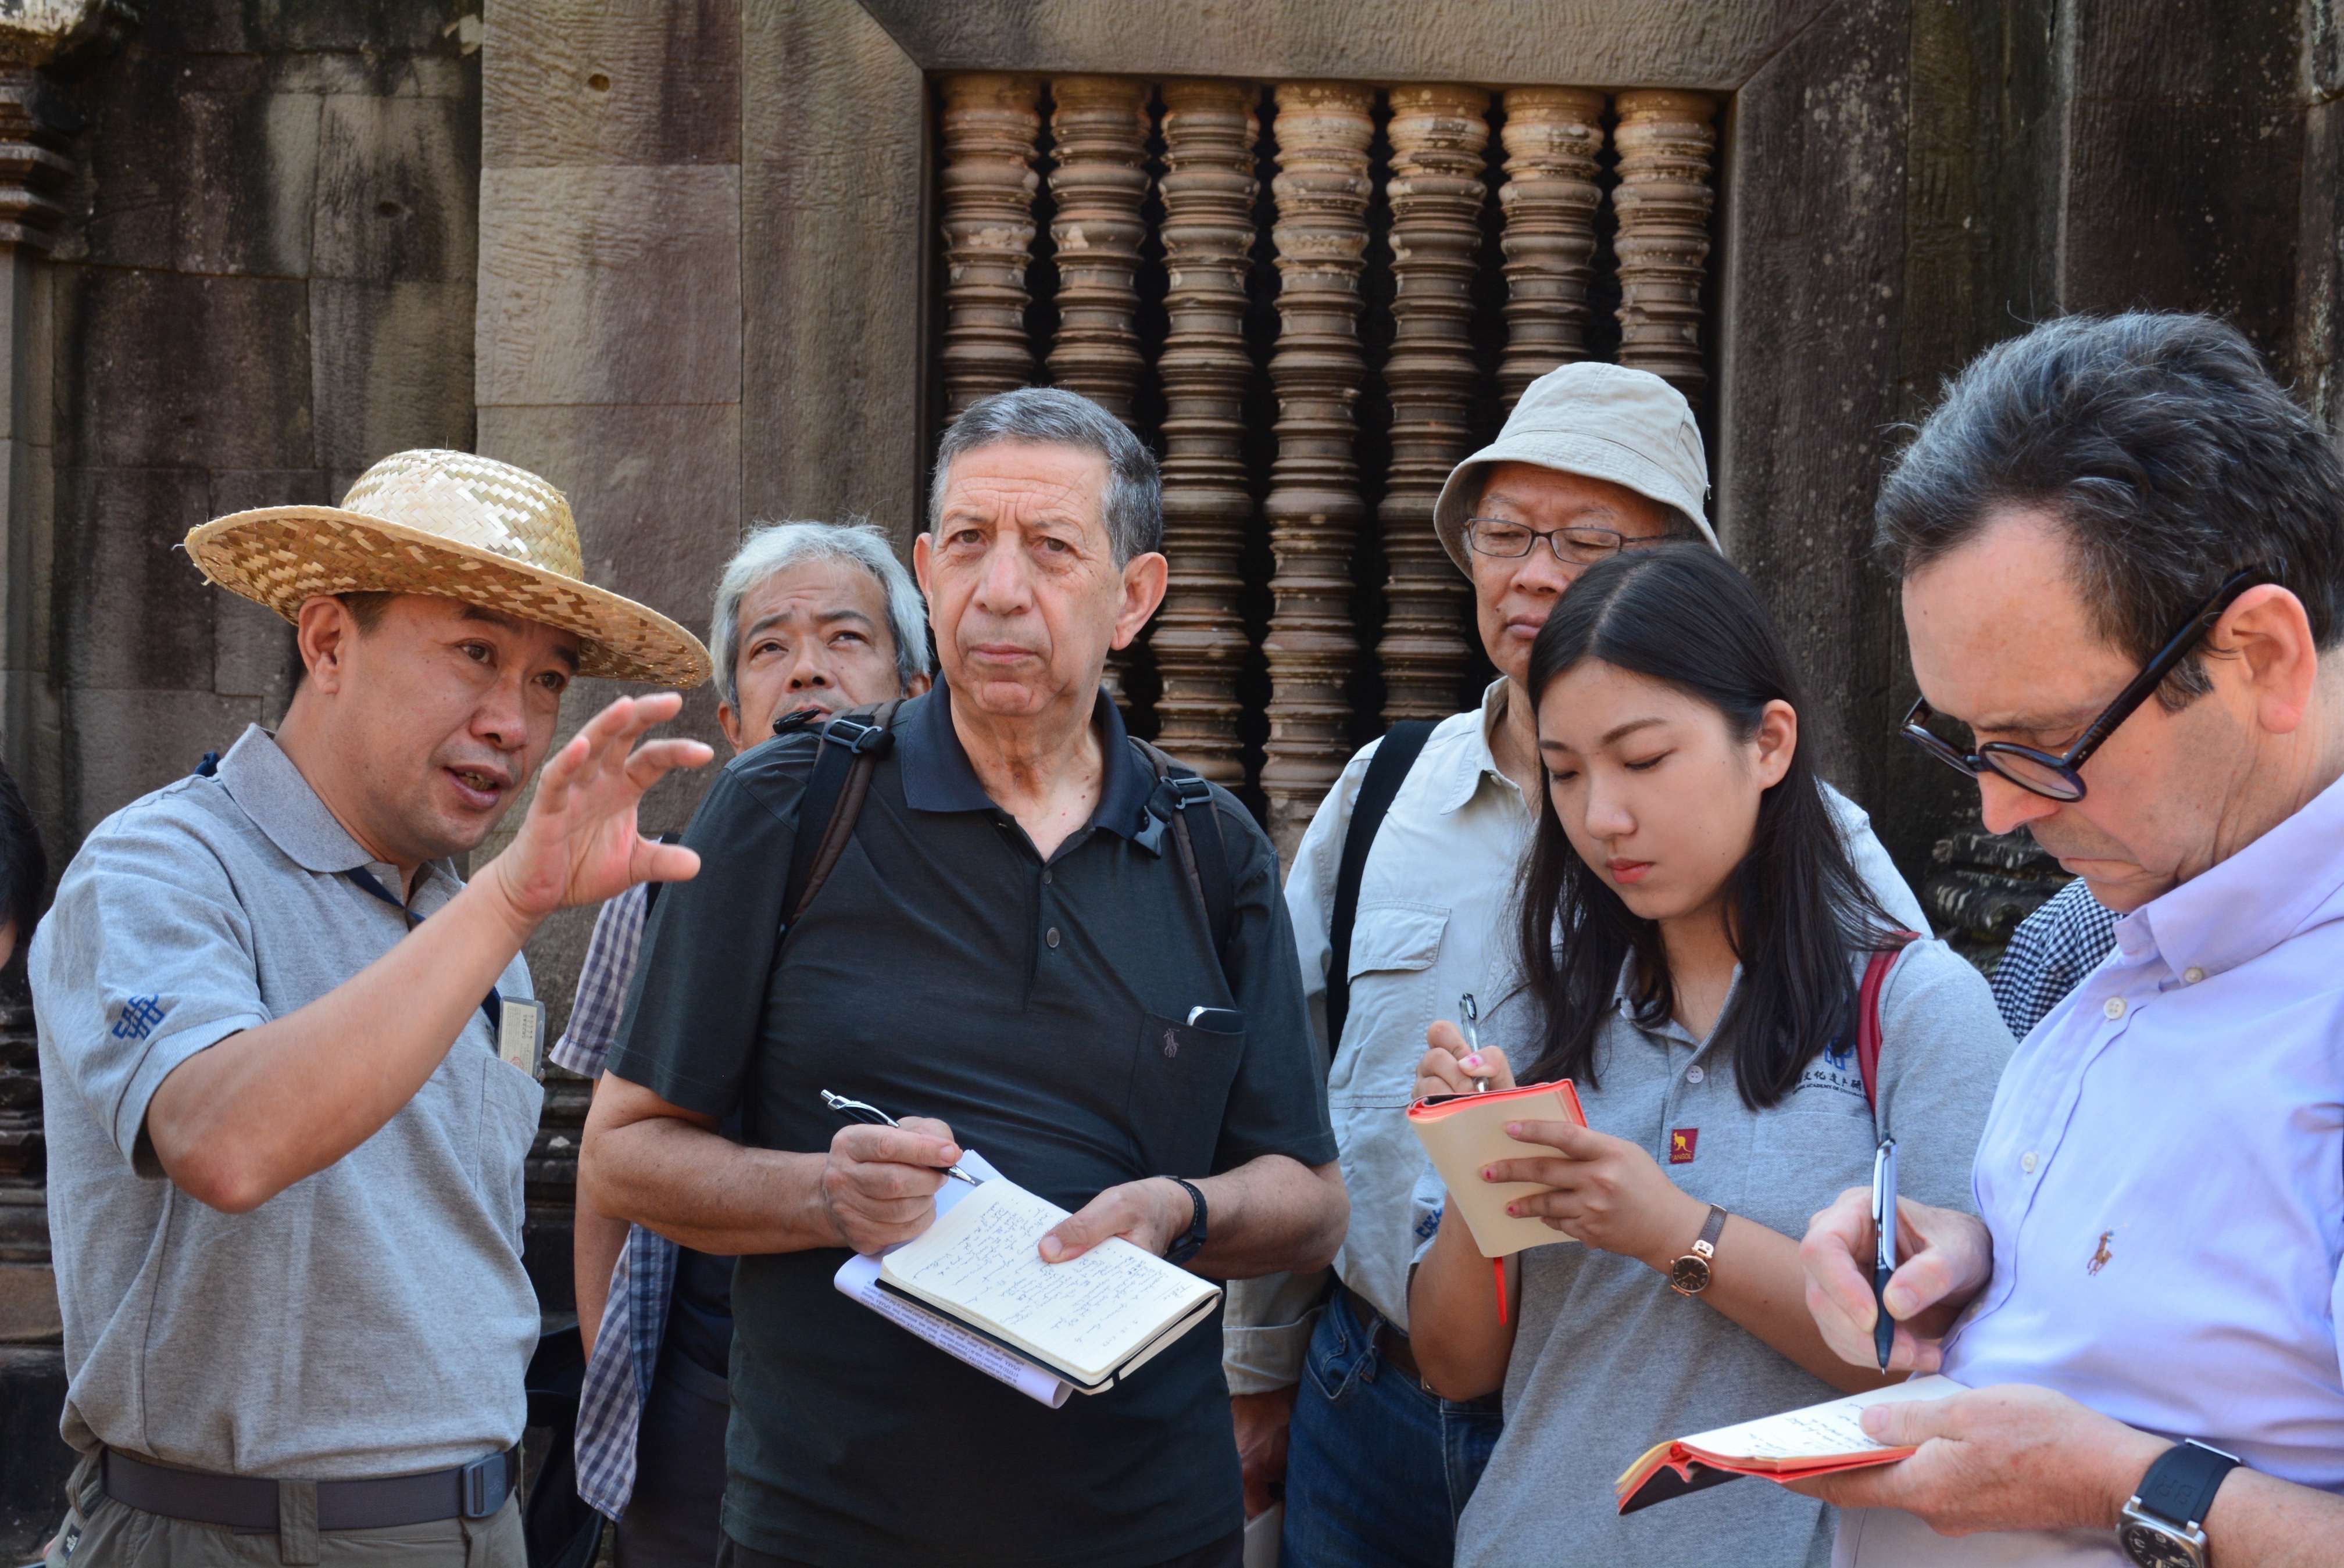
[[1867, 1015]]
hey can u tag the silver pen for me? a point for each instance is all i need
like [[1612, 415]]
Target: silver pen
[[1470, 1012], [858, 1110]]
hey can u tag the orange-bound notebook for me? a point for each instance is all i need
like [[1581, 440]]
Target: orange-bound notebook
[[1465, 1132], [1799, 1443]]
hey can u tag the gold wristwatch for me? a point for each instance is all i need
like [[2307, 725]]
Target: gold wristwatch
[[1689, 1275]]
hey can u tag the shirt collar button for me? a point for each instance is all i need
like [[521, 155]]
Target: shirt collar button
[[2193, 974], [2114, 1007]]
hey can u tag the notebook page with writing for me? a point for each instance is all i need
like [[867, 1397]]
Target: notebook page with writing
[[1087, 1316], [1818, 1433]]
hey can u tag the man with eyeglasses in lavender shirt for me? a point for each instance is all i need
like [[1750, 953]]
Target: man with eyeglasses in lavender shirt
[[2122, 548]]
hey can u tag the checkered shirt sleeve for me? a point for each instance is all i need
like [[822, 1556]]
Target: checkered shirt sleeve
[[619, 1372], [634, 1315], [603, 982], [2051, 950]]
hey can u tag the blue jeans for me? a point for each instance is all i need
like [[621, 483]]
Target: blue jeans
[[1377, 1467]]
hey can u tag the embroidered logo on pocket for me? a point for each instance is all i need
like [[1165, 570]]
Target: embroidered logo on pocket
[[1681, 1144], [1171, 1044]]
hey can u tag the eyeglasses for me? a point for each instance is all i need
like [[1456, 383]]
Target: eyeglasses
[[2059, 777], [1504, 540]]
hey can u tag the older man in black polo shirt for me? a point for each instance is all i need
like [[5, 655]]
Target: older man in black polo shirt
[[1008, 953]]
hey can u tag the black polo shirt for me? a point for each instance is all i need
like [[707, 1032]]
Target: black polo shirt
[[946, 970]]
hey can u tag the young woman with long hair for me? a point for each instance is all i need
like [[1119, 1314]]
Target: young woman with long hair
[[1692, 938]]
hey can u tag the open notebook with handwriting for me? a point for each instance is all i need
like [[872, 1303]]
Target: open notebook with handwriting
[[1089, 1324], [1792, 1446]]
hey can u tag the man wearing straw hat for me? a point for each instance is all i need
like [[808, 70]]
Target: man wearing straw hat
[[289, 1058], [1593, 459]]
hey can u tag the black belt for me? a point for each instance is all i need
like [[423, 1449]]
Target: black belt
[[474, 1491]]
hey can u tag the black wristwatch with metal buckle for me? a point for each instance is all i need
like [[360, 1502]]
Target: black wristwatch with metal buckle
[[2163, 1525], [1192, 1241]]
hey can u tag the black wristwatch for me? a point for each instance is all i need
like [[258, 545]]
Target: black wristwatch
[[2163, 1525], [1192, 1241]]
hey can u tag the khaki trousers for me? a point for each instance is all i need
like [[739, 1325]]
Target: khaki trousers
[[100, 1533]]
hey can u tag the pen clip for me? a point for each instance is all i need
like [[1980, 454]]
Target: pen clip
[[856, 1109]]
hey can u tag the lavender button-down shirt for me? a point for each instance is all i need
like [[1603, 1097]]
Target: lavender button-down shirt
[[2163, 1174]]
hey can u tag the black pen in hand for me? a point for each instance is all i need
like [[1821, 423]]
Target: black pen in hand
[[1884, 1257], [856, 1110]]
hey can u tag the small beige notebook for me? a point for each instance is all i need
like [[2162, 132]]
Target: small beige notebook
[[1465, 1132], [1091, 1321]]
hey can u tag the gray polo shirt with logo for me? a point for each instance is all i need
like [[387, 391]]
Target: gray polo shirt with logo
[[370, 1320], [1608, 1360]]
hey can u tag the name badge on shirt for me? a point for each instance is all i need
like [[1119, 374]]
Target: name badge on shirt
[[519, 1032]]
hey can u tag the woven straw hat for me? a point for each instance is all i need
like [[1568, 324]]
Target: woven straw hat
[[460, 526]]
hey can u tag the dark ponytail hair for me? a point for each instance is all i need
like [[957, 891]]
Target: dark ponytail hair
[[1796, 911]]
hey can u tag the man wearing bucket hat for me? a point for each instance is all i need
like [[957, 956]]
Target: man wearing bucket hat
[[289, 1058], [1398, 911]]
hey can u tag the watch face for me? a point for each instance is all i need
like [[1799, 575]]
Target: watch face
[[2153, 1548], [1690, 1275]]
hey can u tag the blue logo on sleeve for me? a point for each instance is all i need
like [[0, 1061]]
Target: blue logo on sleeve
[[138, 1017]]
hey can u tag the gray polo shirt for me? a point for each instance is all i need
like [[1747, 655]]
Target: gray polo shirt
[[1609, 1360], [370, 1320]]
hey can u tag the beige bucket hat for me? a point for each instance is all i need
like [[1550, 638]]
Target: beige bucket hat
[[1604, 421], [460, 526]]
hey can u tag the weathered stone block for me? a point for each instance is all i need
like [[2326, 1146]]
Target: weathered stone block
[[28, 1305], [253, 654], [295, 26], [656, 491], [166, 370], [832, 403], [137, 613], [127, 743], [609, 286], [202, 181], [33, 1460], [390, 368], [580, 82], [398, 189]]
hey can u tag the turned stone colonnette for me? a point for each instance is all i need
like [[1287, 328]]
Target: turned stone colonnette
[[1439, 139], [1199, 641], [1668, 142], [1553, 137], [1314, 505], [991, 122]]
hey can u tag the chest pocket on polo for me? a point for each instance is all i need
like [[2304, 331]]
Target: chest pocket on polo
[[1180, 1080], [1393, 948], [509, 1103]]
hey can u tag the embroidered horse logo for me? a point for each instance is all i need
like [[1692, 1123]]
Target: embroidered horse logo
[[2100, 1259]]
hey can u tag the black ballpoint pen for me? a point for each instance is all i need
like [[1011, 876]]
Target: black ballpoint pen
[[858, 1110], [1884, 1257]]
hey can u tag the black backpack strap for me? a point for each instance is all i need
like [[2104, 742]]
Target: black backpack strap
[[852, 745], [1386, 770], [1180, 798]]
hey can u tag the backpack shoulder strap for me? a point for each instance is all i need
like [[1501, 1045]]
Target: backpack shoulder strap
[[852, 745], [1386, 771], [1867, 1014], [1178, 790]]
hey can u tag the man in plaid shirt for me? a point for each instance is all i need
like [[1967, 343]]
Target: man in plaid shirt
[[808, 616], [2061, 943]]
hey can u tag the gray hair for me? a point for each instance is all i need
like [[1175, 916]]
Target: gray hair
[[776, 547], [1054, 416]]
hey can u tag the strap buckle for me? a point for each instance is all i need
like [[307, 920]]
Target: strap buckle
[[856, 735], [481, 1485], [1187, 791]]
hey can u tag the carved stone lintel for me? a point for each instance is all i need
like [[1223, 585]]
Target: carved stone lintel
[[1439, 138], [991, 123], [1209, 130], [1100, 129], [1667, 142], [1315, 510], [1552, 138]]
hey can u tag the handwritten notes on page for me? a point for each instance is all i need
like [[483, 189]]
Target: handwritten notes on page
[[1085, 1317], [1820, 1431]]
